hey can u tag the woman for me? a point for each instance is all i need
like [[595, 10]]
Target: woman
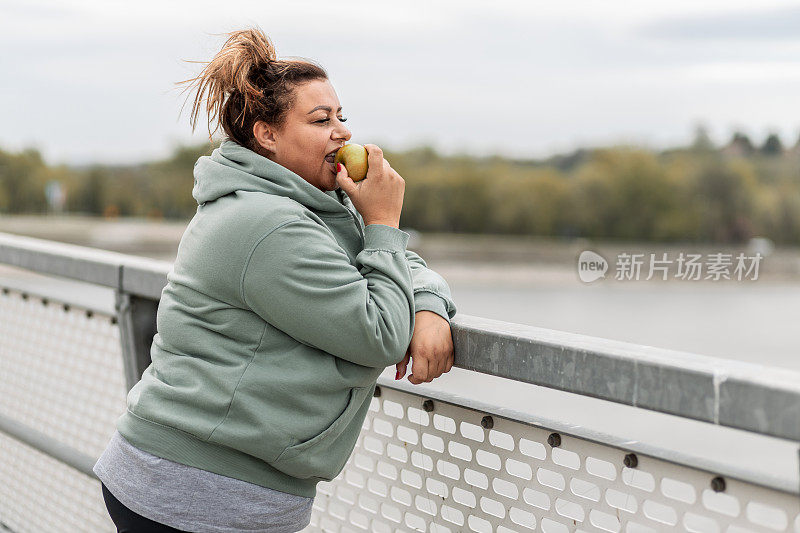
[[291, 292]]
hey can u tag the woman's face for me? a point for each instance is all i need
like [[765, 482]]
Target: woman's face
[[313, 128]]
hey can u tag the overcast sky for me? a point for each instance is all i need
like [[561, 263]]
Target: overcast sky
[[93, 81]]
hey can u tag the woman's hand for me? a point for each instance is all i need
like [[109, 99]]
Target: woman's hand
[[379, 196], [431, 349]]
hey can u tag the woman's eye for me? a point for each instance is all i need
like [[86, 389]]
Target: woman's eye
[[343, 119]]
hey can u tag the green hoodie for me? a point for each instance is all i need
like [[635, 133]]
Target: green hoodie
[[280, 312]]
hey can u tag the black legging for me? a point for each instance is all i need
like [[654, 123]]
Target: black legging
[[128, 521]]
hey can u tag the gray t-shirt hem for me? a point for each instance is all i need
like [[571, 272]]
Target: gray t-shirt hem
[[196, 500]]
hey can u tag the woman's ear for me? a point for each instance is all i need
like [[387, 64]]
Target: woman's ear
[[264, 135]]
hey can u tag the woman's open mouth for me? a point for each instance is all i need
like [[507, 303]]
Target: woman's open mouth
[[330, 160]]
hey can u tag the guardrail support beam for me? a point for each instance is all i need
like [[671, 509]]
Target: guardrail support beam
[[137, 327]]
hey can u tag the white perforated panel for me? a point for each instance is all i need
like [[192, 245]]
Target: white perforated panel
[[60, 373], [441, 471], [412, 470]]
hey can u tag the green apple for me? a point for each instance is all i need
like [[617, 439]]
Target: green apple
[[354, 158]]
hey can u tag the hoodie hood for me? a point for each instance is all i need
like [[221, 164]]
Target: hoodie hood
[[232, 167]]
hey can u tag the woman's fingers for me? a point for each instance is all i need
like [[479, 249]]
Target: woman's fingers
[[419, 370], [402, 365], [345, 182], [374, 161]]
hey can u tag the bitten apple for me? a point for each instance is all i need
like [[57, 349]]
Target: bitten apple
[[354, 158]]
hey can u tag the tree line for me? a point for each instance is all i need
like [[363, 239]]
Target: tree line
[[698, 193]]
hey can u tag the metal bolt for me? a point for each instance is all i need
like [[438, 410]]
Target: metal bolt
[[24, 295], [89, 314], [487, 422], [377, 392], [718, 484], [631, 461], [113, 320], [427, 406], [45, 301], [66, 307], [554, 440]]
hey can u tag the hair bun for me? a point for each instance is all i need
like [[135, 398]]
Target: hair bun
[[246, 81], [244, 52]]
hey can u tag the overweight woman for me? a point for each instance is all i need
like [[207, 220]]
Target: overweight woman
[[291, 292]]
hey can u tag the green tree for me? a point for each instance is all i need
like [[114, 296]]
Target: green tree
[[535, 203], [724, 196], [22, 180], [622, 194], [702, 140], [741, 144], [91, 196], [772, 145]]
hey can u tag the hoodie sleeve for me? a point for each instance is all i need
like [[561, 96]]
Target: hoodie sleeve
[[431, 292], [301, 281]]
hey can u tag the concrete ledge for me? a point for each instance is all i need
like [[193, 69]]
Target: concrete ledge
[[729, 393]]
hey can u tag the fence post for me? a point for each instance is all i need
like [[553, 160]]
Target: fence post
[[136, 317]]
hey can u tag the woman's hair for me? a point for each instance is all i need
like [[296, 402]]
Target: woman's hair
[[246, 82]]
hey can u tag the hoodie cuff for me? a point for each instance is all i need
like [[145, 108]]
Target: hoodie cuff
[[386, 238], [428, 301]]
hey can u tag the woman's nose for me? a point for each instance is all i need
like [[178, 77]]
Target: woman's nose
[[342, 133]]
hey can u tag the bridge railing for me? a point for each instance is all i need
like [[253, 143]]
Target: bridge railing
[[428, 458]]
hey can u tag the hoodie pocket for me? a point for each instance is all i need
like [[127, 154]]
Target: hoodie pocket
[[325, 455]]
